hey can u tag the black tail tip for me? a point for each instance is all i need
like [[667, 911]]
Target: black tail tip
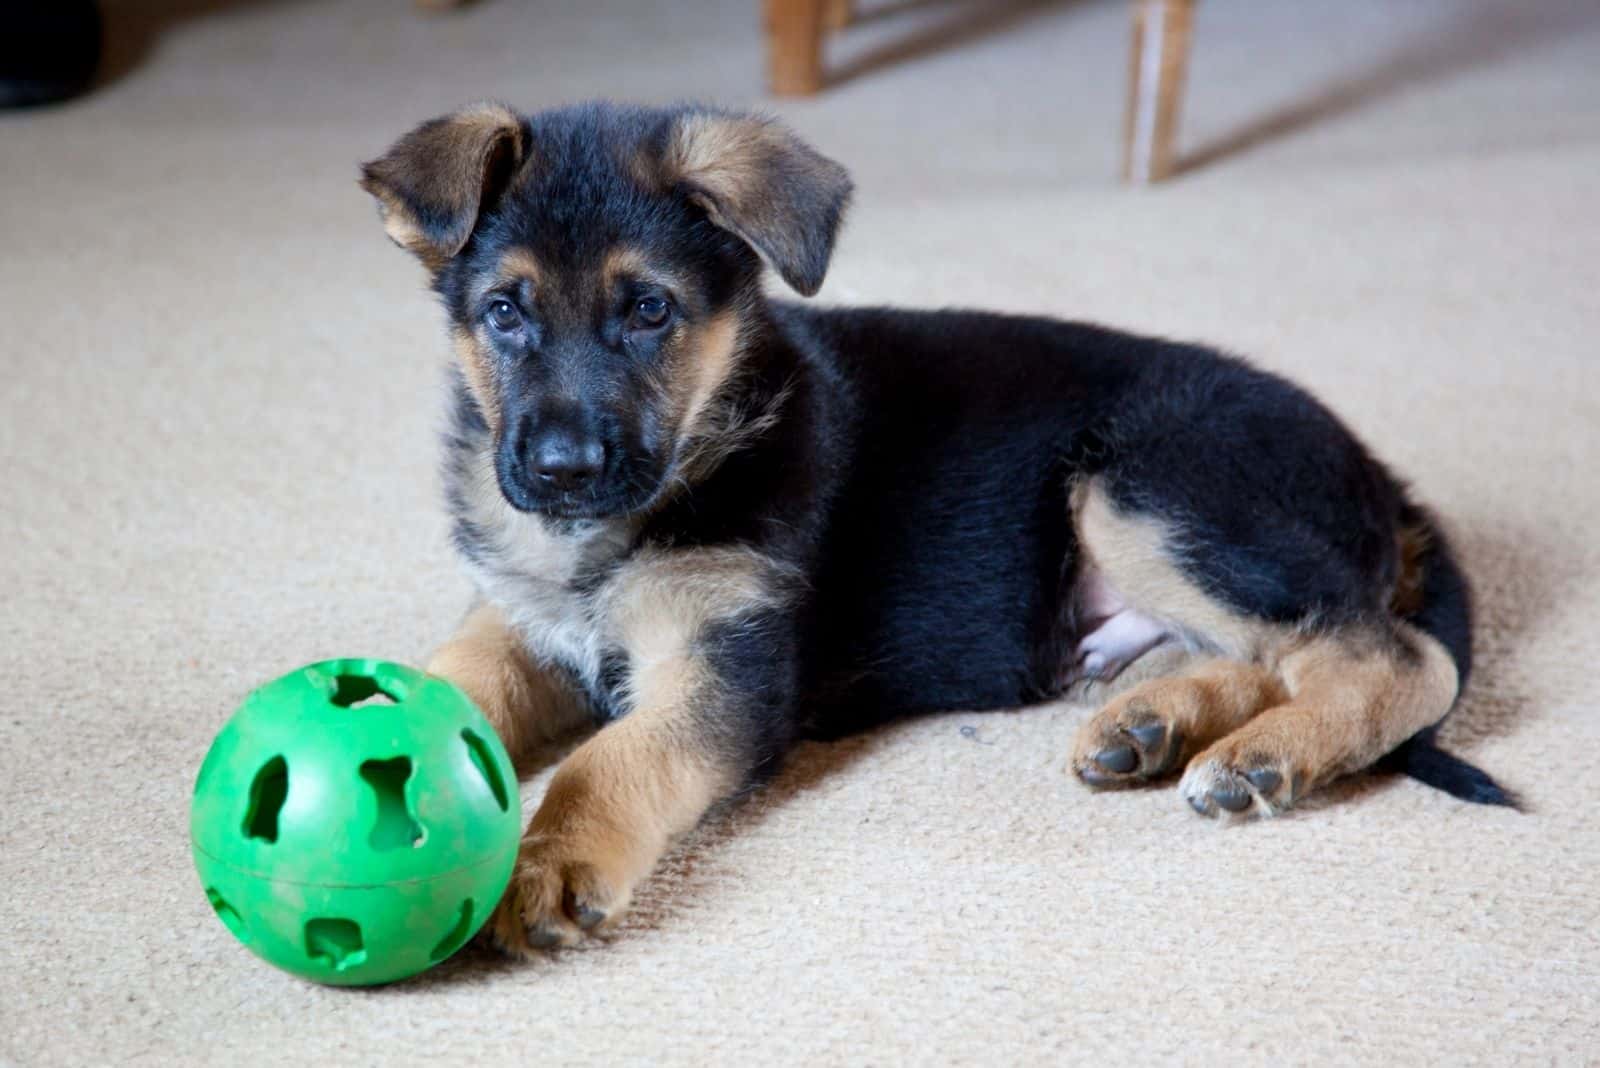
[[1427, 763]]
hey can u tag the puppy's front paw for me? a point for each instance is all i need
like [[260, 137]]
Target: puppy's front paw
[[1131, 738], [561, 888], [1146, 732]]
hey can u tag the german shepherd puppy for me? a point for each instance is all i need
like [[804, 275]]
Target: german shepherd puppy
[[711, 524]]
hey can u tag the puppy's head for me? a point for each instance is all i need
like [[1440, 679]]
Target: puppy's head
[[600, 266]]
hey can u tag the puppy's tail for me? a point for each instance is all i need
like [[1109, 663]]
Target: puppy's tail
[[1424, 761], [1434, 598]]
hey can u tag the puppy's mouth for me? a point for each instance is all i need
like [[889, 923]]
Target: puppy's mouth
[[573, 509], [613, 499], [584, 505]]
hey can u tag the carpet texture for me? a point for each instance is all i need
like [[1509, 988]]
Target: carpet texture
[[217, 429]]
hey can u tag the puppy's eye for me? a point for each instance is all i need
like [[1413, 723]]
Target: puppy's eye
[[503, 316], [650, 313]]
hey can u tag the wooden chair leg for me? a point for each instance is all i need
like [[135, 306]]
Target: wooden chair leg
[[794, 46], [839, 14], [1160, 60]]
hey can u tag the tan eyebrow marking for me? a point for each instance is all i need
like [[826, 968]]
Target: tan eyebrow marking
[[517, 264], [628, 262]]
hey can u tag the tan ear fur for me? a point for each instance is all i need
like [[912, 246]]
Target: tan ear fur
[[758, 180], [436, 181]]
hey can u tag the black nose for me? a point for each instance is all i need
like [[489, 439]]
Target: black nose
[[564, 461]]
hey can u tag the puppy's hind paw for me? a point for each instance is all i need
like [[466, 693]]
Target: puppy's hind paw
[[1214, 787]]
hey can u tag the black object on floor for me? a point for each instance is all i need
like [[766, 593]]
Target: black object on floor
[[49, 50]]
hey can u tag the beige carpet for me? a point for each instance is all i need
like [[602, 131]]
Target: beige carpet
[[216, 432]]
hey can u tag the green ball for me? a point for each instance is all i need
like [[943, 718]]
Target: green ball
[[355, 822]]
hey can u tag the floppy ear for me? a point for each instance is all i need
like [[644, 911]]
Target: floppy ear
[[434, 183], [761, 182]]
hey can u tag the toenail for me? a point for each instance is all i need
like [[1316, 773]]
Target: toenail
[[1199, 805], [1119, 759], [588, 917]]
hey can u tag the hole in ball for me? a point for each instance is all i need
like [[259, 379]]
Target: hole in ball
[[483, 759], [359, 691], [395, 827], [227, 914], [335, 943], [268, 791], [455, 936]]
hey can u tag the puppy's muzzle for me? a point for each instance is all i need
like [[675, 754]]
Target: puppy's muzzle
[[550, 462], [563, 461]]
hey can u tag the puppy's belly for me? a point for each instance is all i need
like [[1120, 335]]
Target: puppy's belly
[[1114, 634]]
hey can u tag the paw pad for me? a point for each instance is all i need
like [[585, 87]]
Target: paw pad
[[1211, 786], [1232, 798], [544, 938], [1143, 749], [1119, 759], [1151, 737], [1265, 780]]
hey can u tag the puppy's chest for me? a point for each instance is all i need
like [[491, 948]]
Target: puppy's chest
[[550, 580]]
